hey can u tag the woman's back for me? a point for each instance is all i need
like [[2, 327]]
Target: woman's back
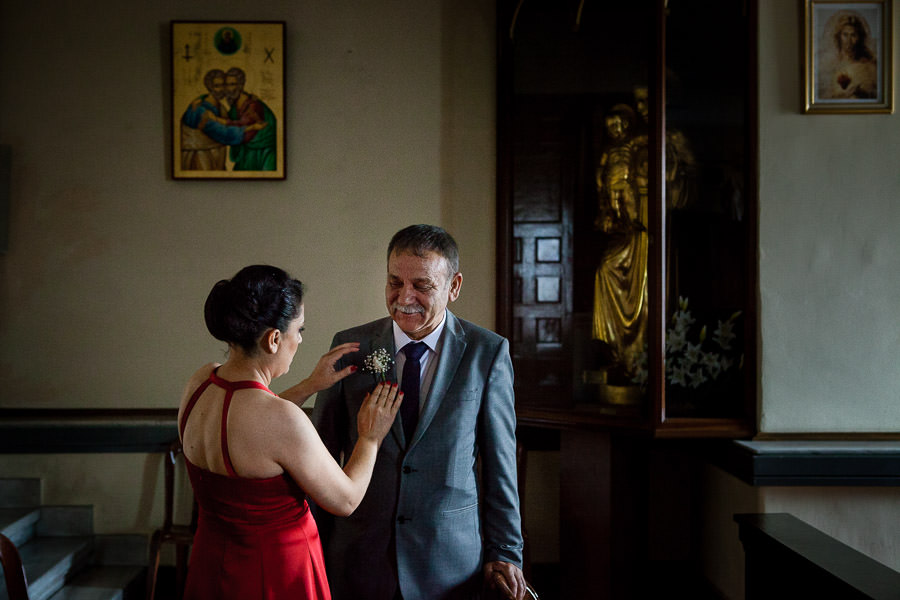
[[252, 413], [255, 535]]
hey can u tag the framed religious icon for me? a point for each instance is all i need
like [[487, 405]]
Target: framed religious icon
[[848, 56], [228, 105]]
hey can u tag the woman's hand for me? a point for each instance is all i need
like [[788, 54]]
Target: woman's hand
[[342, 495], [378, 411], [323, 375]]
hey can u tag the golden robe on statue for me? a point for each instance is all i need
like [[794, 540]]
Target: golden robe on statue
[[620, 281]]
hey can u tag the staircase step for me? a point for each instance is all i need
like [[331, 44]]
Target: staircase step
[[62, 557], [104, 583], [49, 561], [18, 524]]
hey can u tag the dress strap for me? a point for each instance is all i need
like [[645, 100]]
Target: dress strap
[[190, 406], [230, 388]]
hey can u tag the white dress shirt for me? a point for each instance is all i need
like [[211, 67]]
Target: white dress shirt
[[428, 362]]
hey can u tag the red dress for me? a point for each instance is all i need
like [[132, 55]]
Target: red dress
[[256, 538]]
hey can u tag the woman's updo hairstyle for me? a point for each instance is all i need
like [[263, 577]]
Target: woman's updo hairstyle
[[260, 297]]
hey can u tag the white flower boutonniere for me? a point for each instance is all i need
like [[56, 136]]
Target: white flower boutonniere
[[378, 363]]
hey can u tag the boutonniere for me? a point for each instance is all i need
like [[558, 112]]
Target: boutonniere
[[378, 363]]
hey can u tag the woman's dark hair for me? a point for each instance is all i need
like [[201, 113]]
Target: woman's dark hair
[[260, 297]]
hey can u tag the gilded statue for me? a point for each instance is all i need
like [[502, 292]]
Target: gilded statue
[[620, 281], [680, 162]]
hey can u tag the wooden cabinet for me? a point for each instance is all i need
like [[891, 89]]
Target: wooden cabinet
[[627, 213]]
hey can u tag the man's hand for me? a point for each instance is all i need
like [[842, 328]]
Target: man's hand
[[506, 579]]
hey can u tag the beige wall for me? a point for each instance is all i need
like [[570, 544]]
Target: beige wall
[[829, 252], [390, 122], [829, 322]]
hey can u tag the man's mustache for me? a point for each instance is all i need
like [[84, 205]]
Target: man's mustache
[[409, 309]]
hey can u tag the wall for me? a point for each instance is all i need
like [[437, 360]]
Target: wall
[[828, 252], [829, 323], [110, 260], [389, 122]]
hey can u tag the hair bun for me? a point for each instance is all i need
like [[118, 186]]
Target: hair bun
[[259, 297]]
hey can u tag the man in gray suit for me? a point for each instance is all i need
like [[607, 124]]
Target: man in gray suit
[[433, 525]]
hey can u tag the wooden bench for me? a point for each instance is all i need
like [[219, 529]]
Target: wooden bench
[[788, 558]]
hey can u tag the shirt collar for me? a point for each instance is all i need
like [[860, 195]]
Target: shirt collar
[[430, 340]]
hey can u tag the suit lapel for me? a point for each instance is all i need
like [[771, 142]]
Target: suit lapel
[[452, 350], [383, 337]]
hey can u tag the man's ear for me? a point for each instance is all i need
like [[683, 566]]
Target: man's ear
[[455, 286], [270, 341]]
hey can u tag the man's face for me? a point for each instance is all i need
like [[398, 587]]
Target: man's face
[[418, 290], [217, 88], [642, 102], [849, 38], [232, 88], [616, 126]]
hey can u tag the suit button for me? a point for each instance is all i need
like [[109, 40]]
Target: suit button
[[401, 519], [408, 470]]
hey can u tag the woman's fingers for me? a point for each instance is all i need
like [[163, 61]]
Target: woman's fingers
[[388, 396], [335, 354], [342, 349], [396, 401]]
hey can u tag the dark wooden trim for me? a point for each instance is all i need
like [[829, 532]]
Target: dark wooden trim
[[858, 436], [674, 428], [504, 226], [86, 414], [656, 276], [41, 431], [751, 189], [809, 463], [63, 431]]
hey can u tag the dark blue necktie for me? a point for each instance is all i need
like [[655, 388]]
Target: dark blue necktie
[[409, 385]]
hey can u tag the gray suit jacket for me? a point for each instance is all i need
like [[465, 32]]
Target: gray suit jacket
[[427, 523]]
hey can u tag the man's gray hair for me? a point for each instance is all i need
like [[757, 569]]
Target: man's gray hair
[[421, 239]]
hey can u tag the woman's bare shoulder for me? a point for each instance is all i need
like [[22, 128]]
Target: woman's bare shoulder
[[199, 376], [203, 373], [277, 411], [269, 423]]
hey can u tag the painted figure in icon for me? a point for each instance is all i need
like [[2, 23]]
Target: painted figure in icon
[[228, 41], [847, 64], [227, 118], [247, 110]]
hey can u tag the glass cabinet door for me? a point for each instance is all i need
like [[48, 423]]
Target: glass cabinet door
[[626, 256], [710, 242]]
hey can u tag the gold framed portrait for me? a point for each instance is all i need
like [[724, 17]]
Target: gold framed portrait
[[848, 56], [228, 104]]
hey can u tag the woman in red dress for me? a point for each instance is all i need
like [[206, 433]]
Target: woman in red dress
[[252, 456]]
